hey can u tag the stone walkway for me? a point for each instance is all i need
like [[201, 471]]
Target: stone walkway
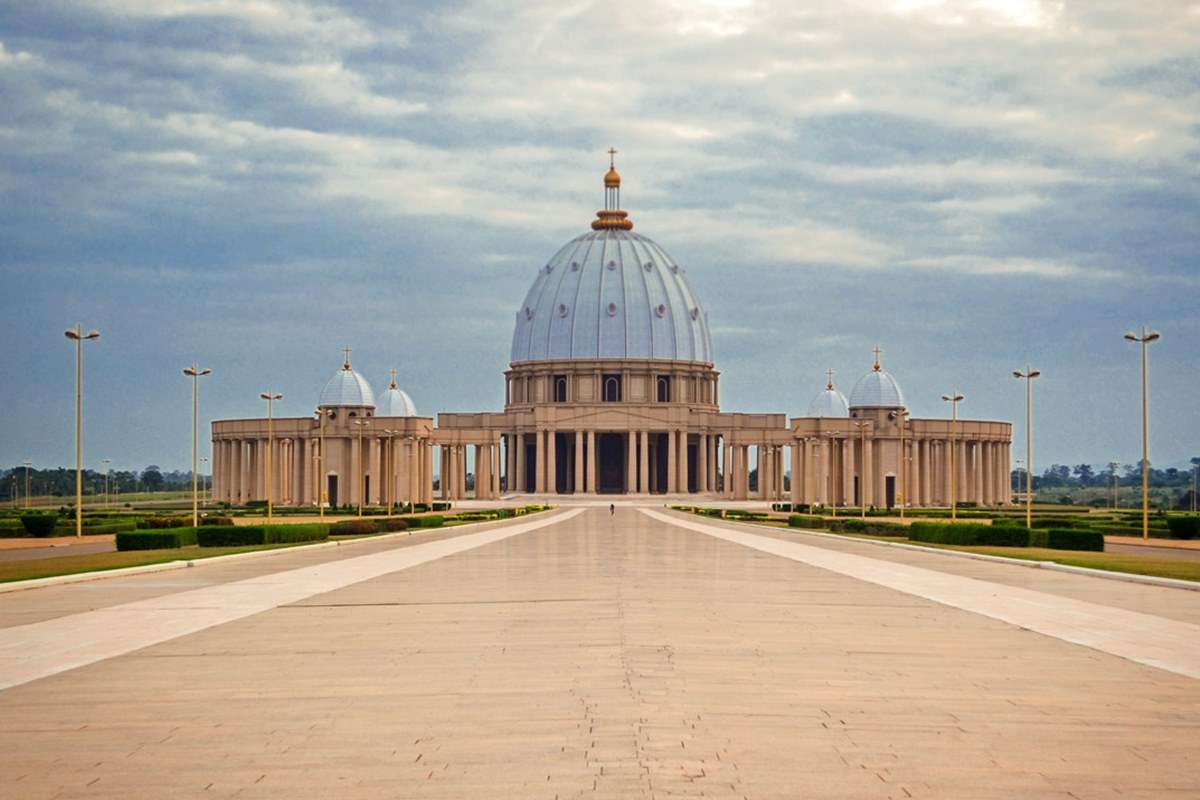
[[614, 657]]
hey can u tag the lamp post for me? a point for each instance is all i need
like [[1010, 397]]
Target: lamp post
[[77, 335], [270, 397], [862, 472], [901, 419], [195, 372], [954, 399], [1116, 499], [1028, 375], [204, 482], [28, 464], [361, 424], [106, 462], [1144, 340]]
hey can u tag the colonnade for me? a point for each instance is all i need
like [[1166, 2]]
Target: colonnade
[[371, 469], [453, 471], [827, 471]]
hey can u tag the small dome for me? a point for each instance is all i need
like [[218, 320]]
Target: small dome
[[829, 403], [347, 389], [395, 402], [877, 389], [612, 177]]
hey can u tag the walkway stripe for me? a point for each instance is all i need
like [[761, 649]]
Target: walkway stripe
[[1144, 638], [29, 652]]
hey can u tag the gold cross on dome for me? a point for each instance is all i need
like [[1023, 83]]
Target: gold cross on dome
[[877, 351], [393, 386], [346, 360], [612, 153], [829, 378]]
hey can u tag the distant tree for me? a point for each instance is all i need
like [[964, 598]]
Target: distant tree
[[1084, 473], [152, 479]]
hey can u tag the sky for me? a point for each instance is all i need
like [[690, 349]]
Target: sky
[[252, 184]]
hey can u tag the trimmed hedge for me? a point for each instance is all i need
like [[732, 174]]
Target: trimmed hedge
[[432, 521], [354, 527], [246, 535], [96, 528], [216, 520], [159, 539], [39, 524], [969, 534], [805, 521], [1074, 539], [869, 527], [1184, 527]]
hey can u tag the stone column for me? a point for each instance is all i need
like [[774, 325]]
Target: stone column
[[712, 462], [683, 461], [579, 471], [539, 482], [644, 462], [551, 462], [591, 462], [519, 481], [797, 473], [702, 463], [867, 481], [672, 463], [745, 473], [631, 463]]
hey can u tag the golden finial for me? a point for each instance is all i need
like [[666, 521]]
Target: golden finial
[[612, 217], [877, 351], [829, 379], [392, 385], [346, 358]]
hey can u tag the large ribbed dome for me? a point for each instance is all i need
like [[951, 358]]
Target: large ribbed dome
[[611, 293], [877, 389], [347, 389]]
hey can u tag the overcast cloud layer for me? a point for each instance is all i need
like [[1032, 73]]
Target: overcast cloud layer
[[254, 183]]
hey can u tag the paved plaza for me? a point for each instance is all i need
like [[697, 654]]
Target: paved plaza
[[578, 654]]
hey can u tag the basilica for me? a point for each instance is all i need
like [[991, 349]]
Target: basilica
[[612, 389]]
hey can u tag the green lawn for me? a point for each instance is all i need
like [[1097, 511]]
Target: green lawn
[[95, 562]]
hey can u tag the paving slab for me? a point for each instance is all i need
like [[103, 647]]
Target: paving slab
[[606, 657]]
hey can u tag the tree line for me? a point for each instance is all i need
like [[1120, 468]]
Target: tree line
[[60, 482]]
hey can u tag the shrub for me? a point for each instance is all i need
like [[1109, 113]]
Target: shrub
[[868, 527], [805, 521], [432, 521], [969, 534], [38, 524], [1074, 539], [255, 504], [159, 539], [216, 520], [354, 527], [440, 506], [393, 524], [1184, 527], [242, 536], [156, 523]]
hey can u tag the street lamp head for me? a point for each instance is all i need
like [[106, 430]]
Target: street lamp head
[[1018, 374], [952, 398], [1152, 336], [1035, 373], [270, 396]]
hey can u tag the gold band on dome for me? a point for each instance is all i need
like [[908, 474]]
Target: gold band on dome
[[612, 219]]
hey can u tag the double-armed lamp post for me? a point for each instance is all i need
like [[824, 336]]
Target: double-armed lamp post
[[954, 398], [270, 397], [901, 420], [1028, 375], [77, 335], [361, 424], [195, 372], [1144, 339], [322, 497]]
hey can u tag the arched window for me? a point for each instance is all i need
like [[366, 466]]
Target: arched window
[[612, 388], [560, 388], [664, 389]]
